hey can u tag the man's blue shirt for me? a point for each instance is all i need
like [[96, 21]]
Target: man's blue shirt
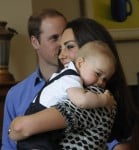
[[112, 145], [17, 101]]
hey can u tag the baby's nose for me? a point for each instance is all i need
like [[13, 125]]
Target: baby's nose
[[101, 83]]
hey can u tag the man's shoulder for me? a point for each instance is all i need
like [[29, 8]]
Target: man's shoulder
[[22, 93], [20, 86]]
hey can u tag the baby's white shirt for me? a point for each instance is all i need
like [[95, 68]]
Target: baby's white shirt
[[55, 92]]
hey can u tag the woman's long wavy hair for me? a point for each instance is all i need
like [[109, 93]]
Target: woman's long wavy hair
[[86, 30]]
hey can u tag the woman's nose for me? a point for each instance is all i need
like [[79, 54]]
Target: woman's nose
[[62, 54]]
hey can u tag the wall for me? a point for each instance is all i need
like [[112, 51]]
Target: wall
[[129, 56], [102, 12], [70, 8], [16, 13], [22, 56]]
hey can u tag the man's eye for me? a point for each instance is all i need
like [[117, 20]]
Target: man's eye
[[59, 51], [60, 48], [54, 37]]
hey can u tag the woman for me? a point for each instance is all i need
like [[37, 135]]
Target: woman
[[83, 31]]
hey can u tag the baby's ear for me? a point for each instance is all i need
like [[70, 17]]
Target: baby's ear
[[79, 61]]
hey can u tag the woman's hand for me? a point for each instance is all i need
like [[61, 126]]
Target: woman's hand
[[16, 132]]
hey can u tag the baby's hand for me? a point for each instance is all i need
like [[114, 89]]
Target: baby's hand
[[110, 101]]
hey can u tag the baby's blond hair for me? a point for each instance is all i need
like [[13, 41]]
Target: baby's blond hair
[[95, 48]]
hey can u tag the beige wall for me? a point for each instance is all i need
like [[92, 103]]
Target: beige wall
[[22, 56], [70, 8], [129, 56], [16, 13]]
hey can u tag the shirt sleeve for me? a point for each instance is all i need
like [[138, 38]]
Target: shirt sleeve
[[112, 144], [70, 81]]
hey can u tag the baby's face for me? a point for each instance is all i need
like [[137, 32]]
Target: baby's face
[[96, 71], [68, 47]]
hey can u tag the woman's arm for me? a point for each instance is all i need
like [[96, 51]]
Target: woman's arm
[[63, 115], [45, 120]]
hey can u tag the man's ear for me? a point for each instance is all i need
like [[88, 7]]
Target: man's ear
[[35, 43], [79, 62]]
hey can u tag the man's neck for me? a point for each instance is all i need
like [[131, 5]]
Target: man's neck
[[47, 71]]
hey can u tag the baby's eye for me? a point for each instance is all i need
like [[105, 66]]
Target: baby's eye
[[98, 74]]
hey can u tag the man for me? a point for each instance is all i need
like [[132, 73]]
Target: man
[[44, 29]]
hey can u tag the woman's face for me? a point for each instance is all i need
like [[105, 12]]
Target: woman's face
[[68, 47]]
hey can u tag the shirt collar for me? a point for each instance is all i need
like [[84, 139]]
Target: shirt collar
[[38, 77]]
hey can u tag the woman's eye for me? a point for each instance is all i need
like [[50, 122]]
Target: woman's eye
[[70, 46]]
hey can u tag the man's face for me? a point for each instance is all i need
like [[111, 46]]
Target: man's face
[[51, 30]]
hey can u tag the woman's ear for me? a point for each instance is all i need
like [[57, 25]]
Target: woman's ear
[[79, 62], [35, 43]]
